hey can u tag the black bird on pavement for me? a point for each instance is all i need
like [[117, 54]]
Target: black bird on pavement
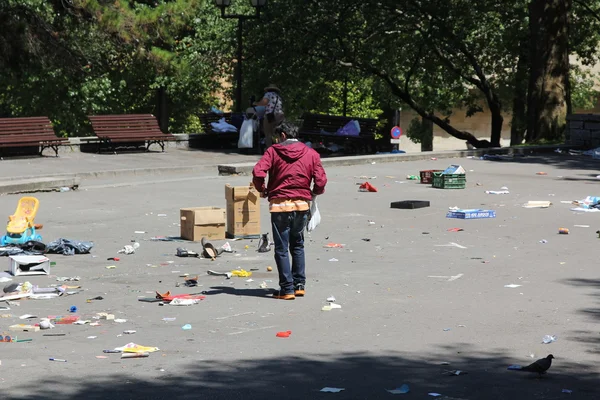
[[540, 366]]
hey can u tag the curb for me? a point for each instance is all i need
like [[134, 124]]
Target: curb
[[37, 184], [246, 168]]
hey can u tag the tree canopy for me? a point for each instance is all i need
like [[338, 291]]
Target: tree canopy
[[72, 58]]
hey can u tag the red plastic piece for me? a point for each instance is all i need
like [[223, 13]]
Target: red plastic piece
[[284, 334], [367, 187]]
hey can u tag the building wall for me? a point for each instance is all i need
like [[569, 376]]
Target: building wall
[[479, 125]]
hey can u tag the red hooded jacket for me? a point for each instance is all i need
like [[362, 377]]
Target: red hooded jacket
[[291, 166]]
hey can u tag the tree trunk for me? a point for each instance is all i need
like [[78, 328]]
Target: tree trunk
[[497, 122], [427, 138], [162, 109], [519, 107], [549, 55]]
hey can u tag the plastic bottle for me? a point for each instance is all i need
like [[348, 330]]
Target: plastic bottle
[[547, 339]]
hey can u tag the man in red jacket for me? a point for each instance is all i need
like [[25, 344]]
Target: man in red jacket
[[291, 167]]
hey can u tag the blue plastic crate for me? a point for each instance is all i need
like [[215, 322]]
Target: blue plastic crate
[[471, 214]]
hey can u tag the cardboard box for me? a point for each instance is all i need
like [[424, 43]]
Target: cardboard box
[[243, 211], [198, 222], [29, 265]]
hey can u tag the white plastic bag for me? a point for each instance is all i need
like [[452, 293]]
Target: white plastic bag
[[315, 216], [246, 134]]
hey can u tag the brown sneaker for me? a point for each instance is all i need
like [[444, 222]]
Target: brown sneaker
[[284, 296], [299, 291]]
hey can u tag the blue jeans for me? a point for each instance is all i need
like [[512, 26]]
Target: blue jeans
[[288, 235]]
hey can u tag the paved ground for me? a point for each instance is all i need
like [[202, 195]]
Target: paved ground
[[410, 301]]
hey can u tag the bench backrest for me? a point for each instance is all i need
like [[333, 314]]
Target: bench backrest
[[125, 124], [234, 119], [331, 123], [26, 126]]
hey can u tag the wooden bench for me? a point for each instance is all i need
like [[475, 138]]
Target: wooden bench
[[29, 132], [323, 128], [112, 130], [211, 139]]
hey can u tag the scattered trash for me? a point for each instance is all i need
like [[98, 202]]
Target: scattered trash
[[563, 231], [227, 248], [367, 187], [284, 335], [330, 306], [111, 266], [447, 329], [183, 302], [120, 320], [215, 273], [433, 394], [69, 247], [129, 332], [241, 273], [331, 390], [263, 243], [455, 230], [547, 339], [412, 177], [269, 268], [334, 246], [410, 204], [263, 285], [497, 192], [333, 259], [331, 299], [470, 214], [186, 327], [537, 204], [543, 241], [541, 173], [581, 226], [135, 355], [400, 390], [67, 279], [23, 328], [455, 372], [73, 309], [46, 324], [512, 286], [57, 359], [181, 252], [567, 391], [129, 249], [169, 319], [136, 348]]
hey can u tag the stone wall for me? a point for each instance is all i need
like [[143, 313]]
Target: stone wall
[[583, 130]]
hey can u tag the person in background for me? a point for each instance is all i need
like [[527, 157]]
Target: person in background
[[292, 168], [273, 104]]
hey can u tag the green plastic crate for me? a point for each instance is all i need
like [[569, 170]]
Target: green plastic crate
[[449, 181]]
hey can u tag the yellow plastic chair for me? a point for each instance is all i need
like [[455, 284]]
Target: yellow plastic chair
[[24, 217]]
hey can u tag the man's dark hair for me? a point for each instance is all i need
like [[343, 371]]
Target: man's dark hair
[[290, 130]]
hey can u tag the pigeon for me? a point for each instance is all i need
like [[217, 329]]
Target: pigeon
[[540, 366]]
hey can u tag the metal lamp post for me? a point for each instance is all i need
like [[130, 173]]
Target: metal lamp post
[[223, 4]]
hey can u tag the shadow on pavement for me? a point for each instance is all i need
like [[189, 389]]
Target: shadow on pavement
[[564, 161], [591, 337], [363, 375], [238, 292]]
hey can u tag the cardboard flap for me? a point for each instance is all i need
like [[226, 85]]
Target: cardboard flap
[[240, 192], [209, 217]]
